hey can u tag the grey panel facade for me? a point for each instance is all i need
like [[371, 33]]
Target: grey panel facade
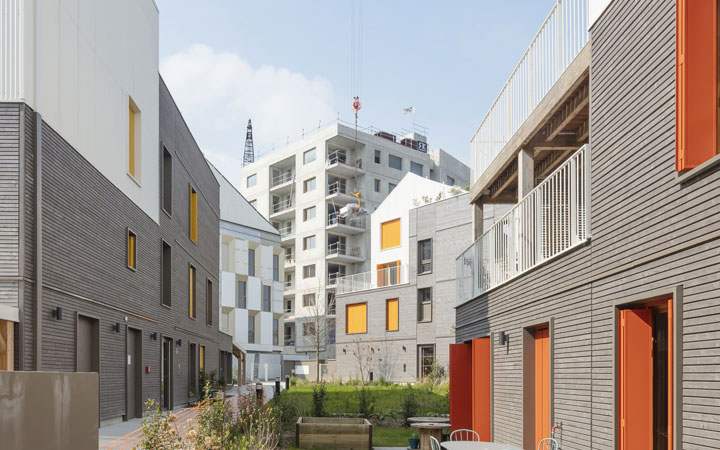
[[448, 223], [651, 233], [83, 222]]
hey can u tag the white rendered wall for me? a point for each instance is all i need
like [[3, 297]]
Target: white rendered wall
[[90, 58]]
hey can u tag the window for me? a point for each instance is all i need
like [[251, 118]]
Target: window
[[425, 305], [388, 274], [202, 359], [166, 273], [395, 162], [308, 213], [425, 256], [276, 267], [276, 325], [391, 186], [309, 271], [392, 322], [308, 300], [242, 294], [251, 262], [308, 329], [309, 242], [167, 181], [376, 185], [191, 293], [251, 180], [416, 168], [253, 203], [697, 93], [331, 331], [193, 214], [390, 234], [209, 302], [251, 329], [377, 156], [309, 156], [356, 318], [267, 299], [309, 184], [450, 181], [134, 139], [131, 249], [426, 356]]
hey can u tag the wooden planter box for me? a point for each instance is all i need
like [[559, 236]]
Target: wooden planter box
[[330, 432]]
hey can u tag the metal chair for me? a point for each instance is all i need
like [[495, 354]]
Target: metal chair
[[434, 444], [464, 434], [548, 444]]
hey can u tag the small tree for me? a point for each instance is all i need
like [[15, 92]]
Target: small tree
[[364, 355], [318, 328]]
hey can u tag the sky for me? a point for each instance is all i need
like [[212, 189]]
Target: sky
[[292, 65]]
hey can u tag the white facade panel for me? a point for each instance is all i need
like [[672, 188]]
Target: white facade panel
[[265, 327], [227, 290], [240, 332], [266, 262], [241, 257], [254, 294], [78, 63]]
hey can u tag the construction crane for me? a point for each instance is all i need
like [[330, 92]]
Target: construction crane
[[249, 155], [352, 210]]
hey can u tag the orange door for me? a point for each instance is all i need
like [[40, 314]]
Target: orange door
[[481, 388], [636, 379], [460, 385], [542, 385]]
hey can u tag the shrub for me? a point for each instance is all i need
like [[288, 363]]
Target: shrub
[[158, 430], [319, 396], [366, 405], [409, 406]]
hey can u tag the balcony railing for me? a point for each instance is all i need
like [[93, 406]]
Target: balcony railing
[[286, 231], [289, 340], [335, 219], [338, 187], [289, 284], [282, 205], [282, 178], [551, 219], [333, 277], [389, 276], [290, 259], [555, 46], [337, 156]]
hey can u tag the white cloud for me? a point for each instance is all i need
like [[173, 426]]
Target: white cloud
[[218, 91]]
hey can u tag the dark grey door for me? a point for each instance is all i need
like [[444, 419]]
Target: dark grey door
[[193, 372], [134, 374], [166, 375], [88, 346]]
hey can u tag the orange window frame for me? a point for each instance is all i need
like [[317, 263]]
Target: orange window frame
[[696, 82], [542, 384], [392, 314]]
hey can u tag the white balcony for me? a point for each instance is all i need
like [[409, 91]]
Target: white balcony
[[282, 180], [339, 253], [283, 209], [389, 276], [348, 226], [551, 219], [560, 39]]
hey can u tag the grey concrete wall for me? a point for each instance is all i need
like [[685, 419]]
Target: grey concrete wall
[[650, 233], [448, 224]]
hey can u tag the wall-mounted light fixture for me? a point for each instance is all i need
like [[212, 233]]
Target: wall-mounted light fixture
[[57, 313], [116, 327], [502, 338], [344, 351], [404, 349], [153, 335], [179, 342]]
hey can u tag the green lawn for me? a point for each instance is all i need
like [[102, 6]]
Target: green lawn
[[391, 436]]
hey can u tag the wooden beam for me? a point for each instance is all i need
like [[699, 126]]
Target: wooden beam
[[583, 133], [499, 190], [7, 345], [567, 113], [549, 164]]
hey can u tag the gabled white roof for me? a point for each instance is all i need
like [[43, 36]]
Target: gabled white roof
[[412, 191], [234, 208]]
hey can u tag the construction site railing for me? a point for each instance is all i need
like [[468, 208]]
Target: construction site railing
[[282, 205], [552, 218], [282, 178], [560, 38], [388, 276]]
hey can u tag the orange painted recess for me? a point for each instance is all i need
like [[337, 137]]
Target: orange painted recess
[[481, 388], [460, 386]]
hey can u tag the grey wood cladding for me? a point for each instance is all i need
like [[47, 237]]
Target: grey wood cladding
[[649, 232]]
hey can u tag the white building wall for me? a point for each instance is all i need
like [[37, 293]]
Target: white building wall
[[77, 63]]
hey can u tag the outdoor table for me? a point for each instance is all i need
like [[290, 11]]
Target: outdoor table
[[475, 445], [433, 429], [429, 419]]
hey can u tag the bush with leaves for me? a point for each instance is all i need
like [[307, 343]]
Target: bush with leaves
[[409, 406], [159, 431], [366, 404], [319, 396]]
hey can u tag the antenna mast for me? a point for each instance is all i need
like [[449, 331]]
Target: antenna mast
[[249, 155]]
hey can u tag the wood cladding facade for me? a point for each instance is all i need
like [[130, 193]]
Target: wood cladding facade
[[84, 223], [652, 231]]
